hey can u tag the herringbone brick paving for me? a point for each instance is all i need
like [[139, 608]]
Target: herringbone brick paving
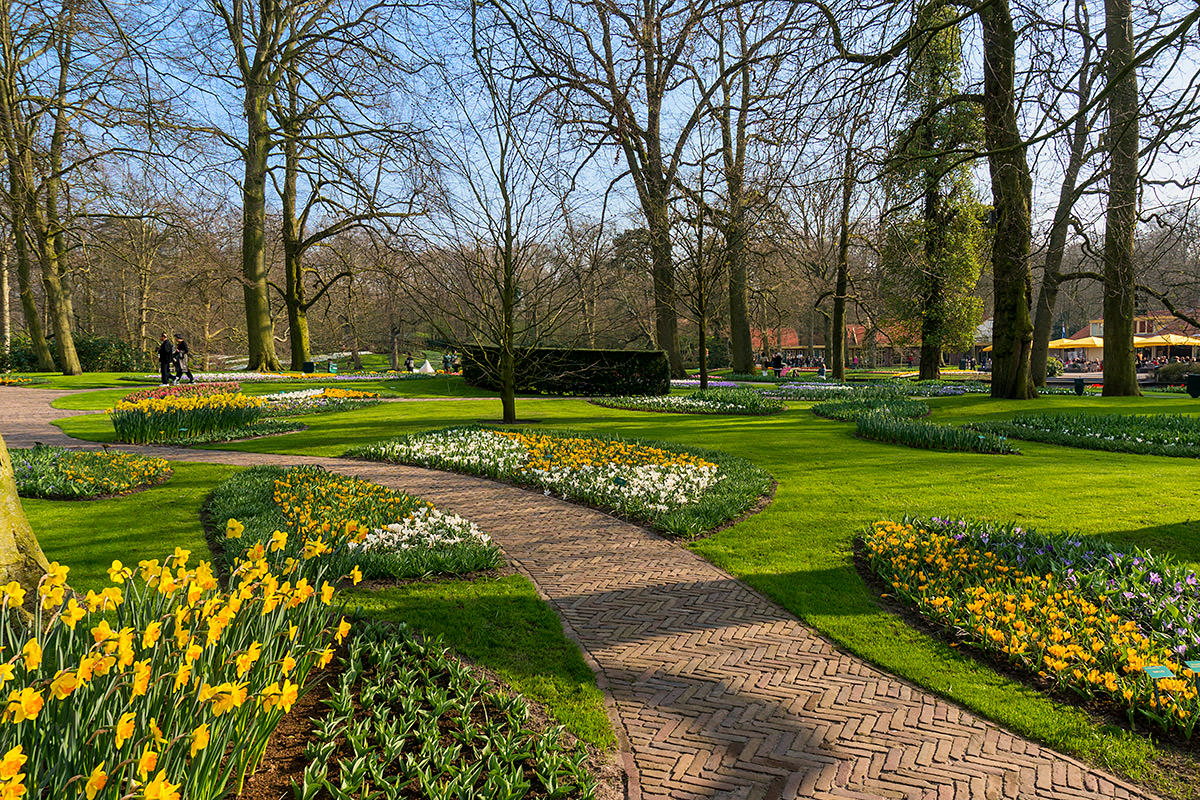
[[715, 690]]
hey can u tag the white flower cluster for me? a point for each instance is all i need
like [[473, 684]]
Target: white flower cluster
[[425, 529], [675, 403], [658, 487]]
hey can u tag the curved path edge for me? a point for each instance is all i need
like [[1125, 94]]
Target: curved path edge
[[714, 691]]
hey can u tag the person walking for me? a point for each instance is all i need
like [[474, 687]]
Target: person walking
[[181, 360], [166, 356]]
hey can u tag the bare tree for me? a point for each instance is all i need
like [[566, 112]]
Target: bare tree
[[488, 246]]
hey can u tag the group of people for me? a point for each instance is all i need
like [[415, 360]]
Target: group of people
[[173, 360]]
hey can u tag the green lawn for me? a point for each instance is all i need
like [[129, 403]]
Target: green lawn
[[431, 387], [831, 485], [499, 623], [502, 624], [87, 535]]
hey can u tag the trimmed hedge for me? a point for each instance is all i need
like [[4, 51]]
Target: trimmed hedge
[[1175, 373], [562, 371]]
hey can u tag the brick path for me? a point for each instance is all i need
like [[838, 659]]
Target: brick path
[[715, 691]]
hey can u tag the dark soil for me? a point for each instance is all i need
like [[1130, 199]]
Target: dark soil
[[284, 760]]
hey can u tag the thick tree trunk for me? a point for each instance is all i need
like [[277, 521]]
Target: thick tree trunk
[[1120, 361], [259, 331], [33, 316], [741, 346], [1012, 335], [666, 317], [21, 557]]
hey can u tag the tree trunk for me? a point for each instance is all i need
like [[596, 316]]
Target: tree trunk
[[741, 346], [259, 331], [33, 316], [21, 557], [1120, 361], [1012, 334], [837, 355], [5, 314], [702, 319], [666, 318], [1043, 319]]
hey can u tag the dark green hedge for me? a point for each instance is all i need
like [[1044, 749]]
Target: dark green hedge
[[1174, 373], [563, 371]]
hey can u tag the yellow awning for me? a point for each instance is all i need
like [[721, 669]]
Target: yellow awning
[[1169, 340], [1086, 342]]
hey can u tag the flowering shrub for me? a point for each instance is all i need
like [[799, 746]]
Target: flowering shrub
[[54, 472], [317, 401], [740, 401], [183, 390], [1081, 616], [169, 418], [683, 492], [421, 697], [162, 685], [379, 533], [1156, 434]]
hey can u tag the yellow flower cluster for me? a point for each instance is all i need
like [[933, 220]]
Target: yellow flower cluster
[[59, 473], [1072, 640], [163, 418], [335, 393], [162, 675], [571, 452], [191, 402], [329, 510]]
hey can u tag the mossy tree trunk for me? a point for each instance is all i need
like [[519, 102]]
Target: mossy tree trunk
[[1012, 338], [21, 557]]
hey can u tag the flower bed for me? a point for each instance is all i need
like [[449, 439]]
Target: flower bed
[[1157, 434], [880, 426], [183, 390], [387, 534], [1080, 615], [317, 401], [694, 383], [17, 380], [855, 406], [163, 685], [56, 473], [284, 377], [680, 491], [737, 401], [811, 391], [444, 732], [173, 418]]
